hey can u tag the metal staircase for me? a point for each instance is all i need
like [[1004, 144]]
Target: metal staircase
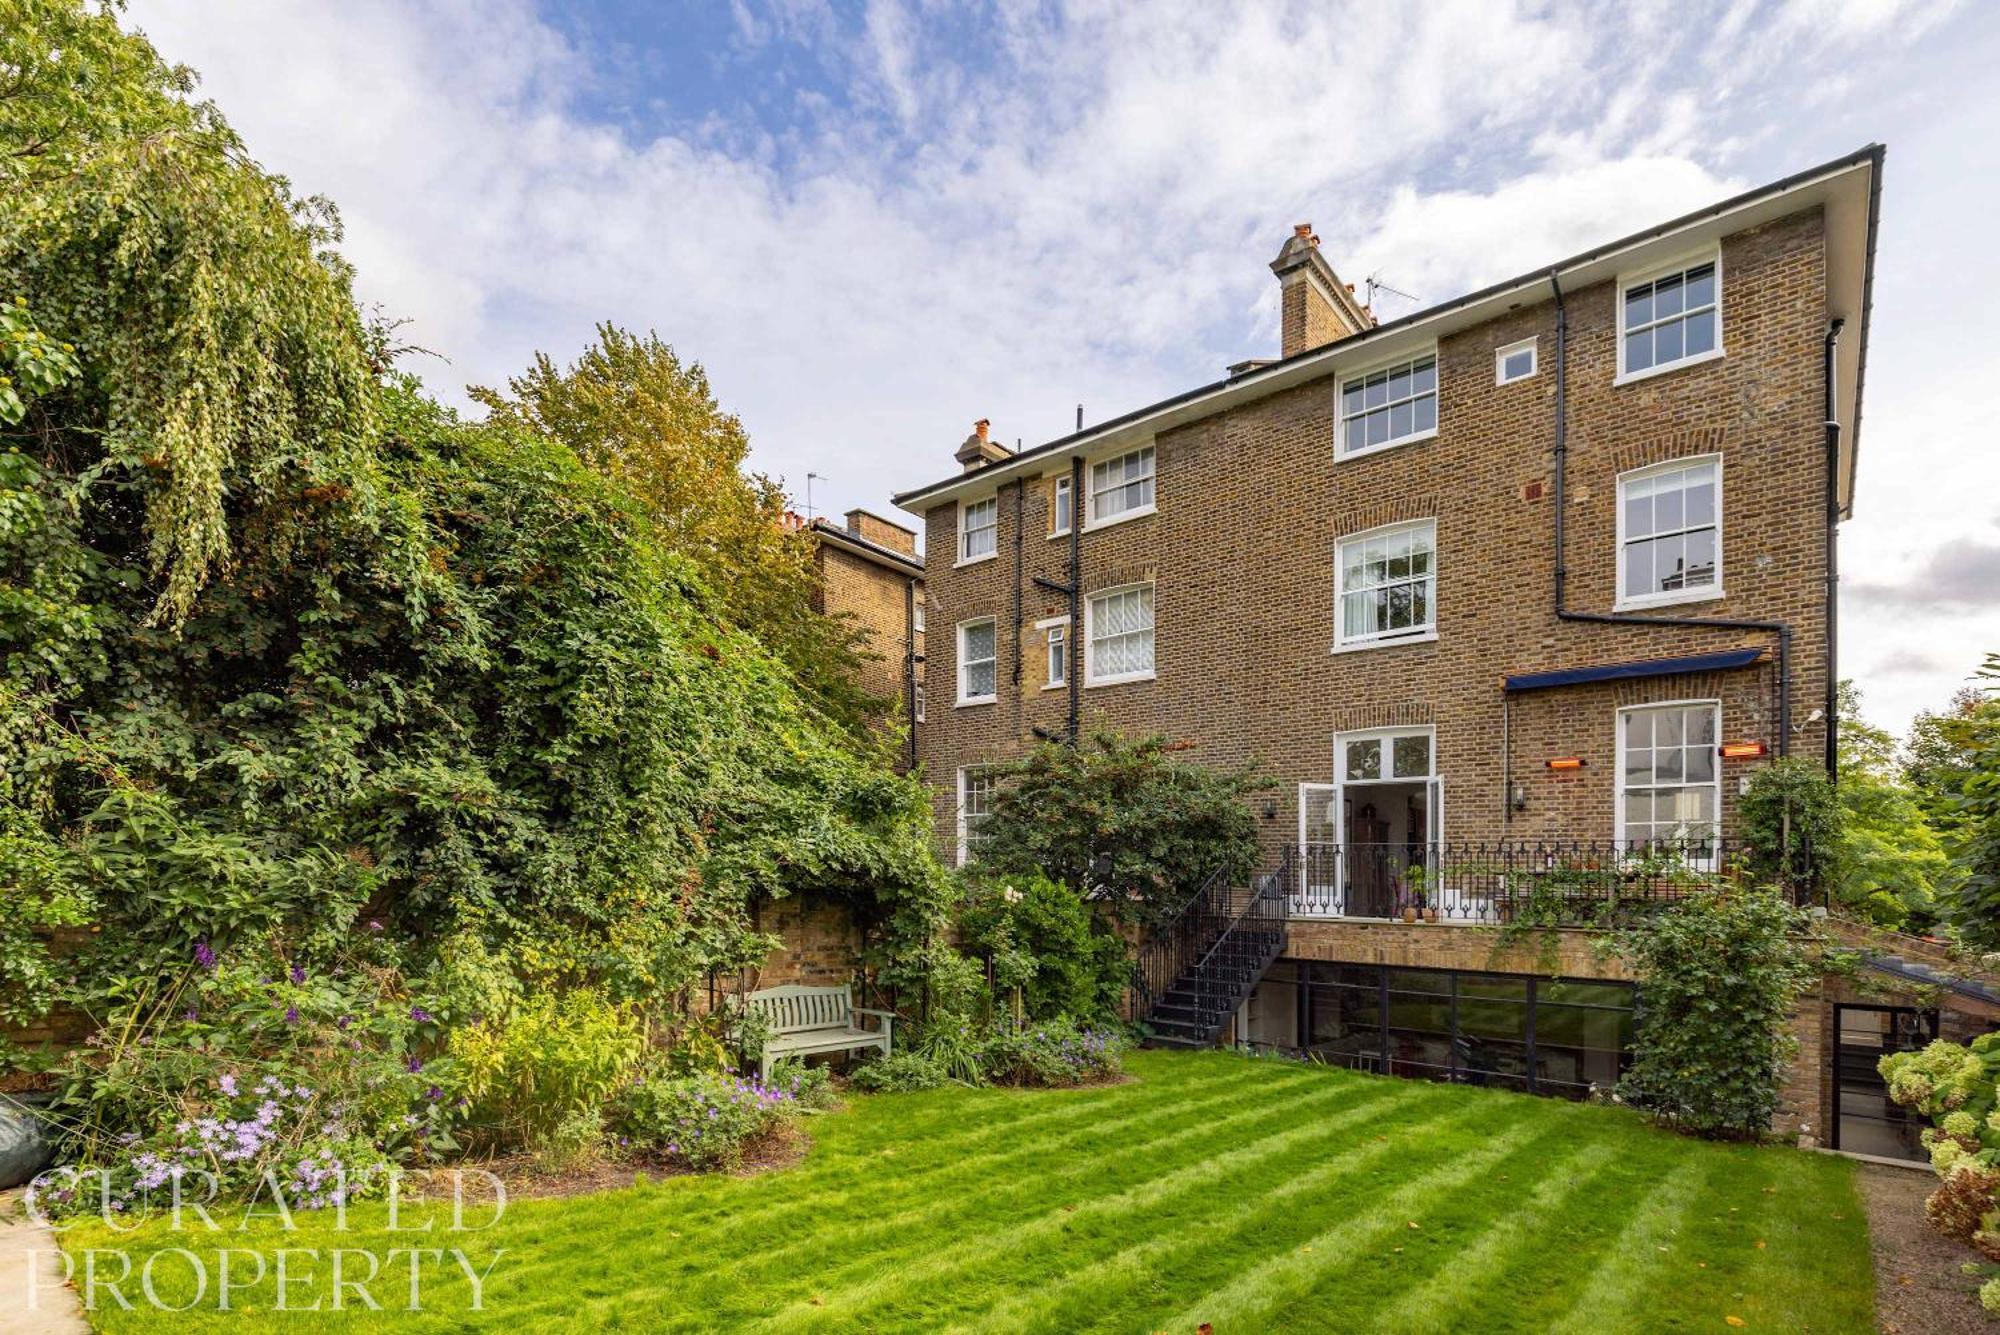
[[1195, 971]]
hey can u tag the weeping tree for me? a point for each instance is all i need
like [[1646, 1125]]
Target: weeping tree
[[290, 650]]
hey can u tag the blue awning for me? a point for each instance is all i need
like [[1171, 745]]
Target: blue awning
[[1649, 667]]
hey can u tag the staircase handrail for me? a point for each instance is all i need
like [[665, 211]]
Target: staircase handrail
[[1271, 887]]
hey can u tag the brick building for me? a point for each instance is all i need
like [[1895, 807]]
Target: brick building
[[869, 570], [1552, 561]]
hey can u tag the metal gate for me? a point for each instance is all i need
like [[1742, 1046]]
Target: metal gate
[[1866, 1120]]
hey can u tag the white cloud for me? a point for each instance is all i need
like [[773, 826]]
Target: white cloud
[[1079, 204]]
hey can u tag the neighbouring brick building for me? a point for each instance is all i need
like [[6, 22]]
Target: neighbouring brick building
[[869, 570], [1552, 561]]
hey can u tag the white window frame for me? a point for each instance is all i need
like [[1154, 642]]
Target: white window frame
[[1708, 593], [1055, 631], [1531, 346], [1091, 676], [964, 833], [1386, 736], [964, 533], [1092, 520], [1340, 451], [1710, 255], [1618, 789], [963, 664], [917, 616], [1062, 491], [1381, 639], [917, 691]]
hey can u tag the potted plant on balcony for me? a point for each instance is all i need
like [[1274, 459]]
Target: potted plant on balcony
[[1418, 904]]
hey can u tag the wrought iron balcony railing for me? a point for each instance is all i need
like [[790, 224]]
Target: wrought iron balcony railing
[[1556, 884]]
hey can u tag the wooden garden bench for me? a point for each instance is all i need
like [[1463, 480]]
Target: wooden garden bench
[[814, 1019]]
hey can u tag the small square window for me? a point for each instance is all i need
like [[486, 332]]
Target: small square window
[[1516, 361]]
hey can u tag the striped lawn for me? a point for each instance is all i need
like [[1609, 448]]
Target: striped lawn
[[1250, 1195]]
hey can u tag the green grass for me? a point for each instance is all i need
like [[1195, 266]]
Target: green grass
[[1251, 1195]]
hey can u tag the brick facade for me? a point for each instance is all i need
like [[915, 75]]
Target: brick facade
[[870, 571], [1241, 554], [1251, 503]]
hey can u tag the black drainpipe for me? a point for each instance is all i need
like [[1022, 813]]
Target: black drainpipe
[[1074, 591], [910, 661], [1075, 647], [1020, 520], [1780, 629], [1832, 556]]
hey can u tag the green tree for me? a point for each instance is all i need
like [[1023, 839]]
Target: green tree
[[1791, 823], [1890, 864], [1975, 905], [633, 410], [1938, 755], [1130, 815]]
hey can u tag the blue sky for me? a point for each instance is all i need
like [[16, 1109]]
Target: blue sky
[[876, 222]]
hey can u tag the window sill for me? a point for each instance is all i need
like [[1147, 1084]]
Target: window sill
[[1676, 600], [1633, 377], [1428, 637], [1093, 682], [1342, 456], [1121, 517], [979, 700], [993, 555], [1059, 533], [1056, 686]]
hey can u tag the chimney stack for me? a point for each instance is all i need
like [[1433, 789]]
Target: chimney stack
[[1316, 308], [874, 528], [978, 450]]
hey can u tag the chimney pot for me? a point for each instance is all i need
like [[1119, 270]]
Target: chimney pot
[[1303, 231], [981, 427]]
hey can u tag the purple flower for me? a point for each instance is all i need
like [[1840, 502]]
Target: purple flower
[[433, 1093], [374, 925], [191, 1014], [203, 955], [298, 973], [227, 1084], [420, 1015], [342, 1023], [291, 1015], [414, 1064]]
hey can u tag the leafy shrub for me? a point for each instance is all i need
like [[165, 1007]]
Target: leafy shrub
[[322, 1078], [1958, 1088], [903, 1071], [555, 1056], [811, 1087], [1131, 814], [1791, 823], [574, 1142], [1044, 940], [1055, 1053], [958, 1049], [702, 1122], [1719, 973]]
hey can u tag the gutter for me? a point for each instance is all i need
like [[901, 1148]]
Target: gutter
[[1781, 629]]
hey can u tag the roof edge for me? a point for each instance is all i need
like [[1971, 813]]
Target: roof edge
[[1870, 154]]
